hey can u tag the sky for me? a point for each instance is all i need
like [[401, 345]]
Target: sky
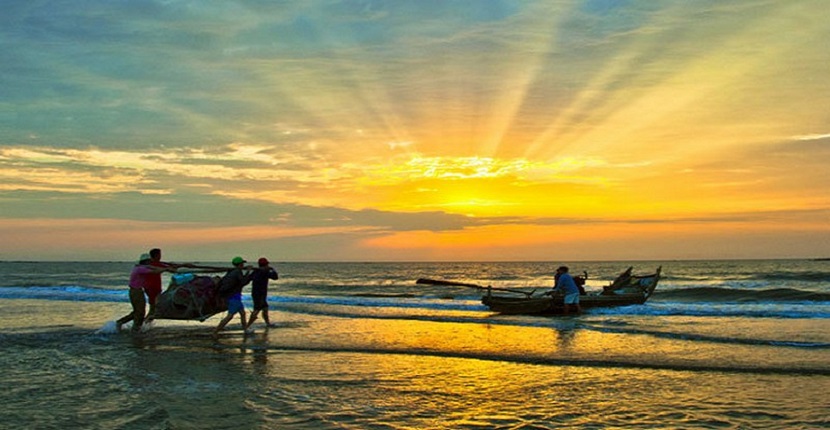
[[372, 130]]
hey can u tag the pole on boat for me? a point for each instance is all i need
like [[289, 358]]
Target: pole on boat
[[465, 284], [203, 269]]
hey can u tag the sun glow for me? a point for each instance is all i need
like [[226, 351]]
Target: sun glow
[[456, 126]]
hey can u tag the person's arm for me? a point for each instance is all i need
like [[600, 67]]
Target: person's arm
[[555, 288], [272, 274], [175, 266], [245, 277], [152, 269]]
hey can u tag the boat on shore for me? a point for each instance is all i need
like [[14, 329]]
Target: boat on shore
[[626, 289], [190, 297]]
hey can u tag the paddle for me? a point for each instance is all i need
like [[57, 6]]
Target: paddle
[[464, 284], [202, 269]]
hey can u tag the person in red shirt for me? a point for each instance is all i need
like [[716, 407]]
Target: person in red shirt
[[139, 277], [153, 287]]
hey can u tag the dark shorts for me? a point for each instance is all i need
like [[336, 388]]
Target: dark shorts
[[235, 306], [260, 303], [260, 297]]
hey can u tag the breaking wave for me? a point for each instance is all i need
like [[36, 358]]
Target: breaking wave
[[719, 294]]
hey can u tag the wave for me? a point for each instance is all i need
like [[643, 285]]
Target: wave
[[389, 295], [566, 325], [560, 361], [685, 336], [699, 301], [813, 276], [783, 311], [197, 339], [69, 293], [719, 294]]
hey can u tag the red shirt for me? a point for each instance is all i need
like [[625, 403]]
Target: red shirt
[[154, 279]]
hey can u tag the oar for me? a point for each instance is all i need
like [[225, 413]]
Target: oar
[[464, 284], [191, 270], [203, 268]]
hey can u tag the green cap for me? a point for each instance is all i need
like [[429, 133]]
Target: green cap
[[237, 260], [144, 257]]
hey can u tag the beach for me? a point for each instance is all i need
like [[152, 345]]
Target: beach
[[359, 346]]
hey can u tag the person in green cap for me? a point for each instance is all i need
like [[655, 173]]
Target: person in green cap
[[230, 288]]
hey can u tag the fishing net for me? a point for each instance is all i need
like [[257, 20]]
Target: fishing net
[[190, 297]]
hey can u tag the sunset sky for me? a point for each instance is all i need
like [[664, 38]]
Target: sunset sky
[[414, 130]]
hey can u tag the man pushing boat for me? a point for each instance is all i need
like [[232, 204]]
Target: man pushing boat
[[230, 287], [565, 284]]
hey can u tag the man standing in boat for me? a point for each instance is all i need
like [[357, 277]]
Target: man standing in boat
[[565, 284]]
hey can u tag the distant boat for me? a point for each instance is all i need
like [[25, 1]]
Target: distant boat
[[626, 289]]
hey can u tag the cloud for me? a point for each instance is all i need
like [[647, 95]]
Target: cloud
[[202, 210], [812, 137], [443, 117]]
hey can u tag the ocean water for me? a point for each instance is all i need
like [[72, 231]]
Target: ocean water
[[721, 344]]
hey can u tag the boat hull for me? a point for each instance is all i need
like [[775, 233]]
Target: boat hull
[[555, 305], [195, 299]]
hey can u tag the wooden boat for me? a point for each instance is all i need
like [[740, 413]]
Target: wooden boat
[[626, 289]]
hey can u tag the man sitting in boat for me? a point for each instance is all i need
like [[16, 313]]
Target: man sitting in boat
[[565, 284]]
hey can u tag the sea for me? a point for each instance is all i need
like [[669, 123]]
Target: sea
[[720, 344]]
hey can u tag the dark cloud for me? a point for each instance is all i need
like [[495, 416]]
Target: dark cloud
[[217, 210]]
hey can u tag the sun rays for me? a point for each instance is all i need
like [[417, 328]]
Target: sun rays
[[423, 129]]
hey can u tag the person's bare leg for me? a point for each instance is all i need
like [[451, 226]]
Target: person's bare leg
[[151, 315], [222, 324], [243, 321], [253, 318]]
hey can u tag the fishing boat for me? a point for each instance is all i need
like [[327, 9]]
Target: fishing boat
[[190, 297], [626, 289]]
